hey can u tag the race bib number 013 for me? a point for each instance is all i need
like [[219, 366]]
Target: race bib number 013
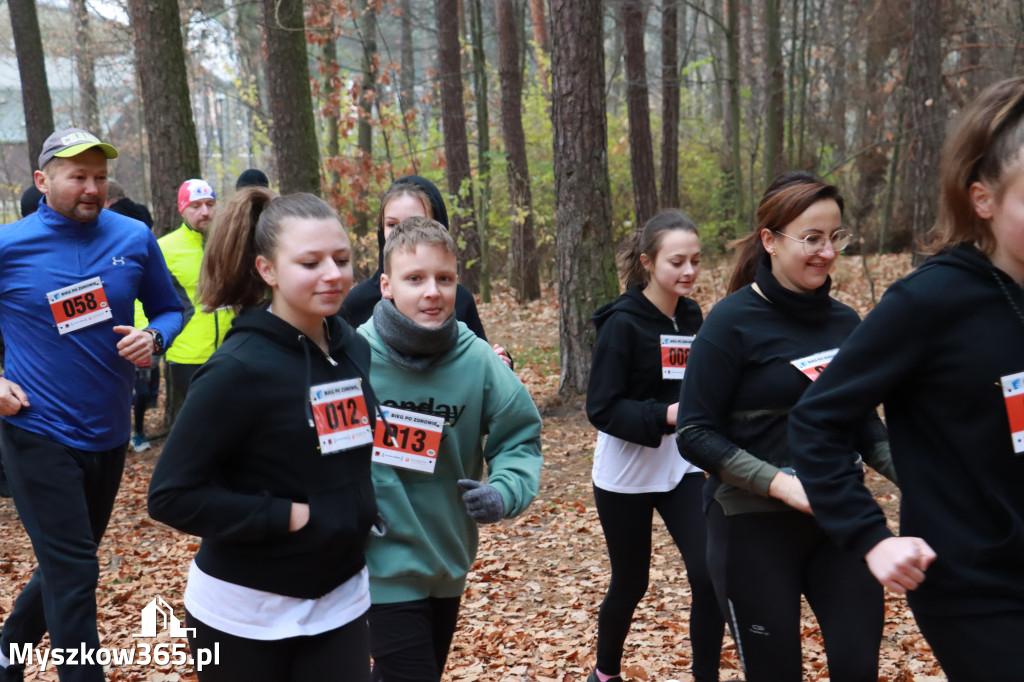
[[79, 305], [813, 365], [413, 442], [1013, 395], [339, 411], [675, 351]]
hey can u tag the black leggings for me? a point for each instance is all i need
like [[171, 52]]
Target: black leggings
[[409, 640], [762, 563], [341, 655], [626, 519], [976, 648]]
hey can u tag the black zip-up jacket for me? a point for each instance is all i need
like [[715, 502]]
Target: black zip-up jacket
[[627, 396], [243, 449], [933, 352]]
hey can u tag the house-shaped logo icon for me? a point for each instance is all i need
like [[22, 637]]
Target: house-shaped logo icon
[[159, 609]]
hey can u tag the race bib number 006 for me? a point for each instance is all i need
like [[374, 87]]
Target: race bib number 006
[[339, 411], [413, 442], [675, 351], [79, 305]]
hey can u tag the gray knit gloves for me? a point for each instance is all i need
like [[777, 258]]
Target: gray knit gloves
[[483, 501]]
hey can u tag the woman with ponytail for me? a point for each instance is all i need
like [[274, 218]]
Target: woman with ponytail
[[643, 340], [759, 350], [269, 460]]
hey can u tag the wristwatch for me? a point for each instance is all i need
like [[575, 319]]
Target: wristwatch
[[158, 340]]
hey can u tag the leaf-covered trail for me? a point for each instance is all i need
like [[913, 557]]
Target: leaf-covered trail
[[530, 612]]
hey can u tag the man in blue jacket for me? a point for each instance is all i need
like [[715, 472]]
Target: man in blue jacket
[[69, 276]]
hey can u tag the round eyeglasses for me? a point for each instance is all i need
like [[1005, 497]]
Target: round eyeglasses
[[814, 243]]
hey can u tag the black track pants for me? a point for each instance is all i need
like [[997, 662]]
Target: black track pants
[[626, 520], [762, 563]]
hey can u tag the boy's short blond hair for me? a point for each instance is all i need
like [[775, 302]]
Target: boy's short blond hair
[[414, 231]]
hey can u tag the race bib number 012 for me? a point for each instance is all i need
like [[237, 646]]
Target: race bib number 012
[[1013, 395], [339, 411], [79, 305], [675, 351], [413, 442], [813, 365]]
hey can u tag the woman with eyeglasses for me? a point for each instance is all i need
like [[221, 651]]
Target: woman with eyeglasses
[[760, 348]]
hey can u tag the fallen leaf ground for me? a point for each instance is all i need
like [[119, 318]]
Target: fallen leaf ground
[[530, 611]]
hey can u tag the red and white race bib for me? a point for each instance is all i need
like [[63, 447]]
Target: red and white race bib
[[675, 351], [1013, 395], [813, 365], [339, 411], [413, 443], [79, 305]]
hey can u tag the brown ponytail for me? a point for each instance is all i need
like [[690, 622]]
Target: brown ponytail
[[246, 227], [789, 195], [648, 242]]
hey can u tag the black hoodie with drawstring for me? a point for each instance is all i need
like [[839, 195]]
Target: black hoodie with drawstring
[[627, 396], [359, 303], [934, 352], [244, 448]]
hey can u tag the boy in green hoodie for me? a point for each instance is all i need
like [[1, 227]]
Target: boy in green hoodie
[[442, 390]]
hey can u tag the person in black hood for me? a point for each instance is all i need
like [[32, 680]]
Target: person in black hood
[[760, 348], [118, 202], [269, 459], [409, 196], [643, 339], [943, 351]]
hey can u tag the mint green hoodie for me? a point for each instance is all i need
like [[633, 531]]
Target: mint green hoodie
[[431, 541]]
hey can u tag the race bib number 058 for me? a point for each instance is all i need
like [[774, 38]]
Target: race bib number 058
[[79, 305], [339, 411], [413, 442]]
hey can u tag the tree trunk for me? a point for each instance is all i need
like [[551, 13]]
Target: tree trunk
[[329, 54], [733, 58], [522, 253], [670, 104], [926, 113], [775, 93], [35, 93], [170, 127], [583, 212], [407, 74], [367, 99], [542, 44], [641, 148], [483, 145], [249, 42], [85, 70], [456, 145], [292, 130]]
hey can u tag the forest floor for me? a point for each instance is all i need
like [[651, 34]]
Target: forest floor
[[530, 611]]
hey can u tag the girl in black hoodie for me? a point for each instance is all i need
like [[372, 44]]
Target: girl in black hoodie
[[944, 352], [269, 460], [759, 350], [643, 340]]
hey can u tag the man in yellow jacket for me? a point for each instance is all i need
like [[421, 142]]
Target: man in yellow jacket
[[183, 251]]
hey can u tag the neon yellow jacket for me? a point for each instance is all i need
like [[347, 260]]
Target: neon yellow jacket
[[203, 332]]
